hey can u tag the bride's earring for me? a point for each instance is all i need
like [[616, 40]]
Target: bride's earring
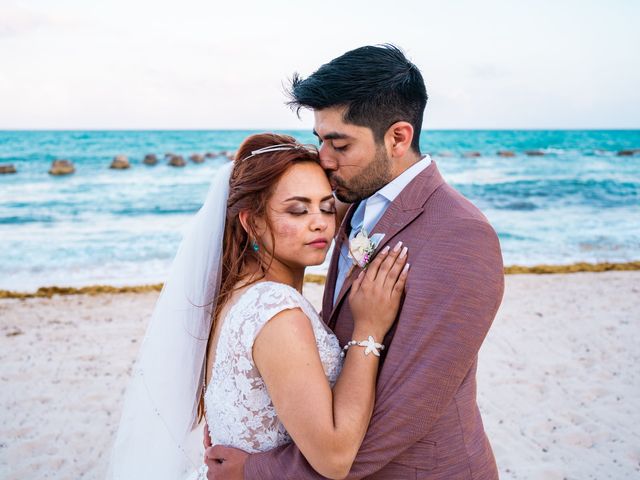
[[255, 246]]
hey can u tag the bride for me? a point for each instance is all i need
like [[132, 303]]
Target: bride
[[232, 341]]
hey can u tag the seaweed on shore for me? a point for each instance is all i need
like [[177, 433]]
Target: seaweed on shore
[[573, 268], [48, 292]]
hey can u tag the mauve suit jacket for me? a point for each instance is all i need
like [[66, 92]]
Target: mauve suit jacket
[[426, 423]]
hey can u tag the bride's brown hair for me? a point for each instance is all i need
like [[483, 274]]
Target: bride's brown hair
[[251, 185]]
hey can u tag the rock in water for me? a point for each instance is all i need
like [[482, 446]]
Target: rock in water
[[534, 153], [177, 161], [210, 155], [506, 153], [628, 153], [472, 154], [226, 153], [150, 159], [120, 162], [62, 167], [197, 158], [7, 168]]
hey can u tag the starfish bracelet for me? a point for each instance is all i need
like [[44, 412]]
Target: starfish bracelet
[[371, 346]]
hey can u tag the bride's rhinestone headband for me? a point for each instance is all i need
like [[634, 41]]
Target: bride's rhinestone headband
[[282, 146]]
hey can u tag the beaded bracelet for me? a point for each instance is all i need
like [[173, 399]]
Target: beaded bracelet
[[370, 346]]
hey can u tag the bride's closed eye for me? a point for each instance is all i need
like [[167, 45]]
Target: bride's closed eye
[[297, 211], [324, 209], [329, 209]]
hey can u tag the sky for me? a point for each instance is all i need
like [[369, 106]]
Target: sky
[[208, 64]]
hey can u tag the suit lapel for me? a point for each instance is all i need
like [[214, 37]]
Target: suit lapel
[[407, 206]]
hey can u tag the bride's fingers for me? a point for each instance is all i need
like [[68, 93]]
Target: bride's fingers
[[355, 286], [371, 272], [396, 268], [387, 264], [398, 287]]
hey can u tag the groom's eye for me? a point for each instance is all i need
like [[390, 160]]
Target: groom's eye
[[340, 148]]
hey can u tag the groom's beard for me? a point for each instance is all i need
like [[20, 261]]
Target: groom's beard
[[364, 184]]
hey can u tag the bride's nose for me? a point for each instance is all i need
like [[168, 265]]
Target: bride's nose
[[318, 223]]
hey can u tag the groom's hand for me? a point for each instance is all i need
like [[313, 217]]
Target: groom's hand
[[225, 463]]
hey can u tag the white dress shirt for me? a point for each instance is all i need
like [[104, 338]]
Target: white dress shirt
[[370, 210]]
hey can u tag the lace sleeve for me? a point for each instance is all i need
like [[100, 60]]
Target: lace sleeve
[[237, 400], [264, 302]]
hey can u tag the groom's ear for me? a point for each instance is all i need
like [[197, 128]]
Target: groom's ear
[[398, 139]]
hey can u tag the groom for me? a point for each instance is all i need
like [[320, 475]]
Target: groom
[[368, 106]]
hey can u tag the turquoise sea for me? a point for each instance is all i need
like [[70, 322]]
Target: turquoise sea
[[579, 201]]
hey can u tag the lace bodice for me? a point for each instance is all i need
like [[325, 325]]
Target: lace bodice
[[238, 408]]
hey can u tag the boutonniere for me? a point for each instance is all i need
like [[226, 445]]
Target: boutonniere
[[361, 247]]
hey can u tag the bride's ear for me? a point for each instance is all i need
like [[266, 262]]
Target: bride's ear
[[243, 216], [258, 223]]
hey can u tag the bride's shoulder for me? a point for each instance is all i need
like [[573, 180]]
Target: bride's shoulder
[[261, 302], [265, 296], [269, 293]]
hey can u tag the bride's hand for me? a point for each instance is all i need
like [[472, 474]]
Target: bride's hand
[[375, 295]]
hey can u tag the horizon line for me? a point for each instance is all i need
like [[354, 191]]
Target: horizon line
[[125, 129]]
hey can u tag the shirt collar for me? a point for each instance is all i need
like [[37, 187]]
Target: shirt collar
[[392, 189]]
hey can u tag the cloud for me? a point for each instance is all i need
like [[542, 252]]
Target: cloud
[[486, 71], [17, 21]]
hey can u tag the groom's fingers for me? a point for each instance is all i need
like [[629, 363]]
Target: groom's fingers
[[225, 463], [207, 436], [216, 452]]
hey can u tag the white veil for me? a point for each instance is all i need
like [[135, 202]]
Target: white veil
[[156, 437]]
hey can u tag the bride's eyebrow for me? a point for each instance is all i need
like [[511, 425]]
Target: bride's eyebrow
[[307, 200]]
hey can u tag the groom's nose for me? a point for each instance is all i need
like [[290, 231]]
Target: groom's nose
[[327, 161]]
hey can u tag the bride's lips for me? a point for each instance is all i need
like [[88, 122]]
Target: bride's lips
[[319, 243]]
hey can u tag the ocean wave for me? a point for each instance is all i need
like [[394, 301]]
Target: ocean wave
[[18, 220], [574, 203], [533, 194], [519, 205], [132, 211]]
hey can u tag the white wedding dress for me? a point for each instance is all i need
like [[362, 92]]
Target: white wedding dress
[[238, 408]]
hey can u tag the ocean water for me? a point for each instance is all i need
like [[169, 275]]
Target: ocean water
[[580, 201]]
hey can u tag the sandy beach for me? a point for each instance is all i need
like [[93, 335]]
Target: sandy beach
[[559, 385]]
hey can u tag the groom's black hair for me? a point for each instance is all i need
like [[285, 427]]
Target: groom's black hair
[[377, 85]]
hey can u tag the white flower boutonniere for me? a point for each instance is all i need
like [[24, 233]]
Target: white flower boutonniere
[[361, 247]]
